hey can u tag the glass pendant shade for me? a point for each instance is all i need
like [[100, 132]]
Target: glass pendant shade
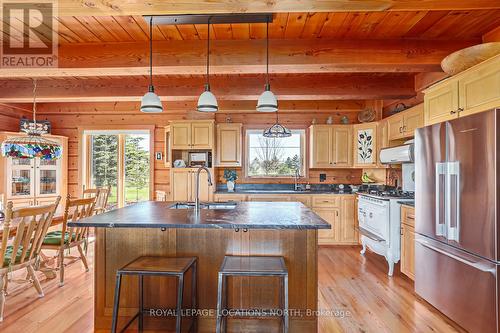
[[277, 131], [151, 103], [31, 146], [207, 101], [267, 101]]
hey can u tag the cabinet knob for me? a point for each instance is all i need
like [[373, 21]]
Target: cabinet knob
[[460, 110], [453, 111]]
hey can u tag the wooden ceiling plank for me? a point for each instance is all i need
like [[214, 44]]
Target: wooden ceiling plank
[[368, 25], [389, 24], [257, 31], [351, 24], [333, 24], [223, 31], [66, 35], [476, 25], [168, 7], [240, 31], [81, 29], [429, 19], [278, 26], [97, 29], [439, 29], [114, 28], [295, 25], [314, 24], [492, 35], [132, 27]]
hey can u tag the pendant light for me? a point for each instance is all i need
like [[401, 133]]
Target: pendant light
[[207, 101], [150, 102], [277, 130], [267, 102], [32, 144]]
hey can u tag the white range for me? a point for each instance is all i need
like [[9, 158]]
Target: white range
[[379, 218]]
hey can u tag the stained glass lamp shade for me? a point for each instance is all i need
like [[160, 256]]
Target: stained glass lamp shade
[[32, 144]]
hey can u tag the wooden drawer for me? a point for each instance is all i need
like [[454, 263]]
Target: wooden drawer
[[305, 199], [230, 197], [408, 215], [325, 201], [268, 197]]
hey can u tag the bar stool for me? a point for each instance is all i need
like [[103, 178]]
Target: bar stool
[[155, 266], [251, 266]]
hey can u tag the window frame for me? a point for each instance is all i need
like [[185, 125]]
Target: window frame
[[303, 148], [84, 135]]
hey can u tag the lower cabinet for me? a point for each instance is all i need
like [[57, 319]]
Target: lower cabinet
[[183, 182], [408, 241], [338, 210]]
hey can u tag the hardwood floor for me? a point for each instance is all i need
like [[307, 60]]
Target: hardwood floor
[[357, 287]]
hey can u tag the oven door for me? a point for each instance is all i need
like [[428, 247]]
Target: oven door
[[373, 216]]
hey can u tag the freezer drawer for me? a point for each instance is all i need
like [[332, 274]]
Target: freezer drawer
[[460, 285]]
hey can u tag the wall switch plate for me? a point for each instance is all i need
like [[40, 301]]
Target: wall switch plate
[[322, 177], [159, 156]]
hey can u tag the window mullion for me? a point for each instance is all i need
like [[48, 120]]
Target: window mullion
[[121, 171]]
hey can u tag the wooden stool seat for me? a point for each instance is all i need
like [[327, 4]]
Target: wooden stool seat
[[243, 265], [251, 266], [155, 266]]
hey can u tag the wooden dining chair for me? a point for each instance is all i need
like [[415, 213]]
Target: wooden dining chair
[[75, 210], [161, 195], [24, 230], [102, 195]]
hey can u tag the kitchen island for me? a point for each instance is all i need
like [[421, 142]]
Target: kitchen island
[[287, 229]]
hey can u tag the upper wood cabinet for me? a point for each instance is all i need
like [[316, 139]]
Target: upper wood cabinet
[[365, 145], [404, 124], [228, 151], [382, 140], [192, 134], [330, 146], [474, 90]]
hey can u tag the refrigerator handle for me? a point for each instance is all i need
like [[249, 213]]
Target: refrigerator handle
[[440, 227], [477, 265], [453, 232]]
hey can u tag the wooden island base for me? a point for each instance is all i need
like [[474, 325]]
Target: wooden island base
[[115, 247]]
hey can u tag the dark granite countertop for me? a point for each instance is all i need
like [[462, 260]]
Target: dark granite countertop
[[246, 215], [407, 203], [279, 192]]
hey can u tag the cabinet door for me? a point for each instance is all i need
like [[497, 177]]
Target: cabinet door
[[228, 145], [204, 187], [305, 199], [441, 103], [348, 225], [342, 146], [202, 134], [181, 185], [413, 119], [21, 179], [408, 251], [365, 145], [48, 177], [321, 148], [180, 135], [479, 89], [382, 139], [332, 216], [395, 127]]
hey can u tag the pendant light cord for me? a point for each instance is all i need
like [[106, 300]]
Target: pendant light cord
[[208, 52], [267, 52], [151, 51], [34, 102]]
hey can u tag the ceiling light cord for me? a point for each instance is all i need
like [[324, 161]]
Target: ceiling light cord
[[151, 53], [208, 52], [267, 54], [34, 102]]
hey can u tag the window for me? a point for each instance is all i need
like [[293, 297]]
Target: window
[[274, 157], [122, 160]]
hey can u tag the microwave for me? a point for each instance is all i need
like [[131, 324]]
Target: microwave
[[200, 159]]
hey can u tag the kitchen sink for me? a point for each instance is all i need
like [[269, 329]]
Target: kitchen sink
[[207, 205]]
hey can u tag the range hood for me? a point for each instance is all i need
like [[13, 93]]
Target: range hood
[[397, 155]]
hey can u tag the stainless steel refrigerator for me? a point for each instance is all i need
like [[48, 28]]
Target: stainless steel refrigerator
[[457, 252]]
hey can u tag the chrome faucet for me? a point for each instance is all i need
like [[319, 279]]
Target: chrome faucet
[[197, 196], [297, 186]]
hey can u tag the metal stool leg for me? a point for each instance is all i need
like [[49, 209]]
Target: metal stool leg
[[285, 282], [224, 304], [219, 304], [180, 291], [116, 302], [194, 286], [141, 303]]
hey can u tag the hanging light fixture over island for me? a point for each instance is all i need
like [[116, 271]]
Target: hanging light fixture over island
[[207, 101], [150, 102]]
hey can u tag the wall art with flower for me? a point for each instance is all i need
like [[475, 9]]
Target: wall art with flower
[[365, 146]]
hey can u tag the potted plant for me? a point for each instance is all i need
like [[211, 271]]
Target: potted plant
[[230, 176]]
